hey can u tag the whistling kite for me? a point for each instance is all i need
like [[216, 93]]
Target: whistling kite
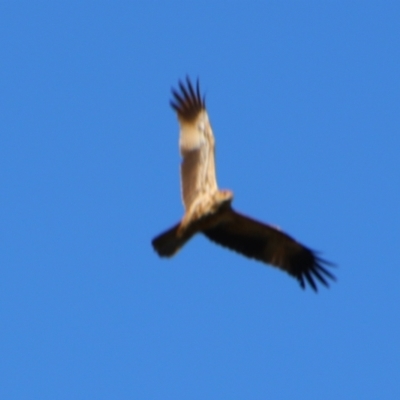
[[208, 210]]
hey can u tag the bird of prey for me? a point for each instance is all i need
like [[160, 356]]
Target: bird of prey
[[208, 210]]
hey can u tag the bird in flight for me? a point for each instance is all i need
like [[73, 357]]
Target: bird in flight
[[208, 210]]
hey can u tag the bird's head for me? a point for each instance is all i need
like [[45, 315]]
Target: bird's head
[[225, 197]]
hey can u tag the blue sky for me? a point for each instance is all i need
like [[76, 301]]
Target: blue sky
[[304, 101]]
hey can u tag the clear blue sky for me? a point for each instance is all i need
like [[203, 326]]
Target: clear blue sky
[[304, 98]]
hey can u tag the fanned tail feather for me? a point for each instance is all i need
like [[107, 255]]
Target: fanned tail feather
[[168, 243]]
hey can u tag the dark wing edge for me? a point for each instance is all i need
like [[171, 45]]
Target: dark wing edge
[[272, 246], [188, 102]]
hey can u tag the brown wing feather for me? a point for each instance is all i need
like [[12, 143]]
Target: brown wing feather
[[269, 245], [196, 143]]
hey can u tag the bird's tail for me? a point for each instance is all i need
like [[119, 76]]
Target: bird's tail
[[169, 242]]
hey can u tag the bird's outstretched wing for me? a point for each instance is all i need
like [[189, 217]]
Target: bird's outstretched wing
[[196, 143], [270, 245]]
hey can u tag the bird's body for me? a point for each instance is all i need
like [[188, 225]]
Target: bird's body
[[208, 209]]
